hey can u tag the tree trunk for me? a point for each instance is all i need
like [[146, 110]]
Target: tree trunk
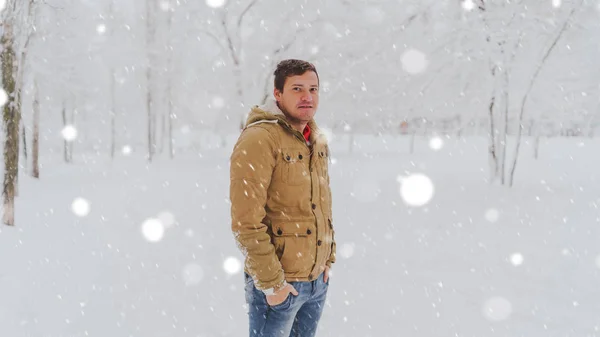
[[24, 136], [149, 78], [536, 150], [11, 118], [171, 140], [531, 82], [493, 158], [113, 115], [65, 142], [35, 151], [504, 129]]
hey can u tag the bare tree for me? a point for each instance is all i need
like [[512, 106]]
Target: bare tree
[[538, 69], [11, 114], [171, 114], [35, 151], [235, 46], [150, 36], [113, 104]]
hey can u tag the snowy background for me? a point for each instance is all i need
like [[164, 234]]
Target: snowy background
[[432, 239]]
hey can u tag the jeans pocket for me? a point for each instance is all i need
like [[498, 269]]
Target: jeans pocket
[[286, 304]]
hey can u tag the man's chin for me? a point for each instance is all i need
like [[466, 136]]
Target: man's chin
[[305, 114]]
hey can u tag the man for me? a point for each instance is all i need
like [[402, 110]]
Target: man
[[281, 207]]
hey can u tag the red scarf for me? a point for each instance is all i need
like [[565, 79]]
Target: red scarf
[[306, 132]]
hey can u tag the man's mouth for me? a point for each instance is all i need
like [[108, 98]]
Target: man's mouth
[[305, 106]]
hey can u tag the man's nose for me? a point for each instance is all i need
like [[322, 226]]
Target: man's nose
[[307, 97]]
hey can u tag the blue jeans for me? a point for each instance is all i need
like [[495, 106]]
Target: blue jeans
[[297, 316]]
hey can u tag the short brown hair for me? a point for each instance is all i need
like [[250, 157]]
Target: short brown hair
[[291, 67]]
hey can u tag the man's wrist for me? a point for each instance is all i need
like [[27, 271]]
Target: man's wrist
[[273, 290]]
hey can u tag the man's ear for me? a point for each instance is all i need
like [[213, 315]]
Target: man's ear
[[277, 94]]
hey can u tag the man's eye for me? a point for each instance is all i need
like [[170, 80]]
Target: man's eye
[[314, 90]]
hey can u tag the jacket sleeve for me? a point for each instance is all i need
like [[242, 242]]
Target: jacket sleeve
[[251, 167]]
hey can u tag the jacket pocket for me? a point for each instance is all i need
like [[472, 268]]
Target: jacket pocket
[[295, 246], [294, 170], [324, 163]]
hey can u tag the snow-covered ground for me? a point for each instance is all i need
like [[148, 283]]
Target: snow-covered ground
[[477, 260]]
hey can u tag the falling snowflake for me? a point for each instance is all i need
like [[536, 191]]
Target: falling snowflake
[[374, 15], [165, 6], [192, 274], [556, 3], [215, 3], [436, 143], [80, 206], [468, 5], [346, 250], [232, 265], [497, 309], [101, 28], [126, 150], [218, 102], [414, 61], [516, 259], [492, 215], [166, 218], [153, 230], [416, 189], [69, 133]]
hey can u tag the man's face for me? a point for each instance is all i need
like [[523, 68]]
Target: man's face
[[300, 97]]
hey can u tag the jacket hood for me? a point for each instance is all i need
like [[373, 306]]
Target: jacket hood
[[268, 112]]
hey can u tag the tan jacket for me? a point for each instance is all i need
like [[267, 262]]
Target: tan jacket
[[281, 200]]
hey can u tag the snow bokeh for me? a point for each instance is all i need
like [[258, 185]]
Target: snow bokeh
[[80, 207], [497, 309], [374, 15], [192, 274], [101, 28], [414, 61], [468, 5], [167, 219], [218, 102], [215, 3], [416, 189], [232, 265], [153, 230], [436, 143], [346, 250], [126, 150], [69, 133], [492, 215], [516, 259], [165, 5], [556, 3]]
